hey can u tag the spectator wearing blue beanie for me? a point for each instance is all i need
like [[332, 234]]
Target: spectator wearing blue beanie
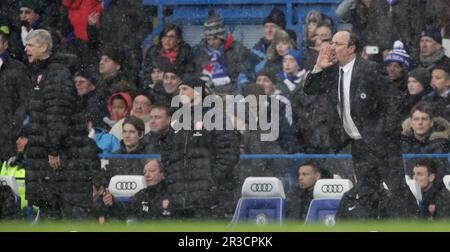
[[289, 79], [397, 64]]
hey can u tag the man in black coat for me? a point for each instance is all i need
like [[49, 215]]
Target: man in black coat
[[124, 24], [16, 89], [367, 107], [199, 163], [61, 160]]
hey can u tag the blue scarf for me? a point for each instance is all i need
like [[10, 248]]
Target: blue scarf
[[216, 69], [291, 81]]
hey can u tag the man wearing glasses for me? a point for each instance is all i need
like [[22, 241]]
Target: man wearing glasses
[[367, 109]]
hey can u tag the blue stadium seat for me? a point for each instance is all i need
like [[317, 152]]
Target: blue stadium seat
[[11, 182], [327, 197], [263, 201], [123, 187], [242, 15]]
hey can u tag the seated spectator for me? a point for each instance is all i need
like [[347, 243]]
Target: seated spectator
[[356, 13], [312, 21], [123, 24], [424, 133], [275, 21], [133, 132], [439, 97], [148, 204], [170, 82], [322, 34], [223, 60], [279, 47], [94, 105], [397, 65], [113, 72], [141, 107], [119, 106], [290, 79], [418, 86], [431, 51], [108, 143], [425, 173], [171, 49], [154, 78], [299, 199]]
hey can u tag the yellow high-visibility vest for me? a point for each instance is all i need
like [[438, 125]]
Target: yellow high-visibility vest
[[19, 174]]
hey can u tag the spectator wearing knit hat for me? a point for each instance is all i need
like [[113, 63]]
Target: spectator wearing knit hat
[[114, 77], [397, 65], [94, 105], [124, 24], [223, 61], [418, 86], [275, 21], [290, 80], [431, 51]]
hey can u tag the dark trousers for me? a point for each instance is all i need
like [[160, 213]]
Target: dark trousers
[[376, 162]]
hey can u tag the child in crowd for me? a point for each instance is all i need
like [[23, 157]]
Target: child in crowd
[[119, 106]]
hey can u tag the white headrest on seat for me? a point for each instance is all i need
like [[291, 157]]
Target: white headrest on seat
[[331, 188], [11, 182], [263, 187], [447, 182], [415, 188], [126, 185]]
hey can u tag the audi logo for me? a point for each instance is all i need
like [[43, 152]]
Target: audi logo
[[333, 188], [126, 185], [261, 187]]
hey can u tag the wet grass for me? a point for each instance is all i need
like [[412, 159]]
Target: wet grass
[[217, 226]]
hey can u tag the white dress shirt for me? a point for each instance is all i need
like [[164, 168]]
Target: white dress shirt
[[349, 125]]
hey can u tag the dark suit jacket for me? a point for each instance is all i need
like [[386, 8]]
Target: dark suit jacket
[[374, 102]]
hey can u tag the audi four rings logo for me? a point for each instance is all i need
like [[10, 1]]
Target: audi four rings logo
[[126, 185], [261, 187], [333, 188]]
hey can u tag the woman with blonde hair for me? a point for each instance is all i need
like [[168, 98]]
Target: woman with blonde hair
[[282, 42]]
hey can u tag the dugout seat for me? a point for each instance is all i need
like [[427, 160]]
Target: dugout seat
[[263, 201], [123, 187], [327, 197]]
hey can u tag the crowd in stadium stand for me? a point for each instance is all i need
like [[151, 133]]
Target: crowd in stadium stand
[[76, 82]]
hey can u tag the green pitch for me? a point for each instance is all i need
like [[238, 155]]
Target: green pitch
[[209, 226]]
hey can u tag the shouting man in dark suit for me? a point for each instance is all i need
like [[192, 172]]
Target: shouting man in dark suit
[[367, 117]]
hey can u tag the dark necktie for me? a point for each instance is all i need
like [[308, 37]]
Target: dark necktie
[[341, 92]]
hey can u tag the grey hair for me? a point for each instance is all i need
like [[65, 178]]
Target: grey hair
[[42, 37]]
